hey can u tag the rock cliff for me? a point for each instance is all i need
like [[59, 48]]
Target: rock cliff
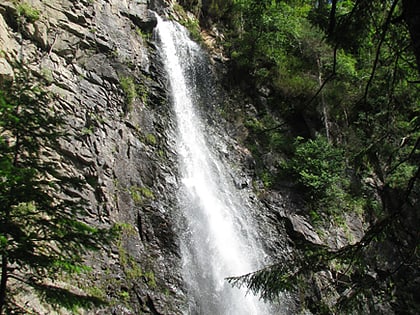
[[96, 58]]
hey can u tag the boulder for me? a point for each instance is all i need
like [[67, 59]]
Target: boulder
[[6, 72]]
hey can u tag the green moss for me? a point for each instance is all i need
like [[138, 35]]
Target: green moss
[[136, 195], [47, 75], [150, 278], [88, 130], [191, 23], [179, 10], [267, 178], [151, 139], [130, 266], [124, 295], [147, 193], [140, 194], [125, 229], [30, 13], [128, 86], [96, 291], [114, 53], [143, 93], [144, 36], [193, 27]]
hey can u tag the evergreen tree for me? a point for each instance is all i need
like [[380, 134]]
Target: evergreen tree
[[41, 229]]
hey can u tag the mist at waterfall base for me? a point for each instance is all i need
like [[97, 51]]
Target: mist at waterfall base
[[217, 238]]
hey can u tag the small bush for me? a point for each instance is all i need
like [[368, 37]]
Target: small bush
[[318, 166], [129, 88], [151, 139], [26, 10], [140, 194]]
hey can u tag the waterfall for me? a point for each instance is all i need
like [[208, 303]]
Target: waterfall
[[217, 234]]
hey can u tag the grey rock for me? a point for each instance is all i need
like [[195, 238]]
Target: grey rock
[[6, 72], [302, 227], [141, 17]]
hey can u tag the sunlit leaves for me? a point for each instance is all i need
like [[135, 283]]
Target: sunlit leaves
[[354, 73], [318, 166], [267, 31], [346, 65]]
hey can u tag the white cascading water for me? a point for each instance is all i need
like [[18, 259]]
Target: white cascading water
[[216, 240]]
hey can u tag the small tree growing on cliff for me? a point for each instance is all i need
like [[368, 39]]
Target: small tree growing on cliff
[[41, 234]]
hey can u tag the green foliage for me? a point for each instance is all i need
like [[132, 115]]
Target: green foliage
[[349, 75], [41, 232], [215, 9], [143, 92], [191, 23], [151, 139], [318, 166], [59, 297], [150, 278], [219, 9], [268, 30], [194, 27], [267, 179], [140, 194], [289, 276], [132, 91], [30, 13], [347, 266], [144, 36], [66, 266], [267, 137], [401, 175], [129, 87], [346, 65], [193, 6], [133, 271]]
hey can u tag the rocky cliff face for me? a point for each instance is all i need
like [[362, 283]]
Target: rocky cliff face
[[109, 86]]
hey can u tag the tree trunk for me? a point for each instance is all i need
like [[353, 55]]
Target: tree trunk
[[323, 104], [412, 18]]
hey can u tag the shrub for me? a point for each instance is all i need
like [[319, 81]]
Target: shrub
[[129, 88], [318, 166], [26, 10]]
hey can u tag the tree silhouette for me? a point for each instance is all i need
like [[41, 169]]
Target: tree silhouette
[[41, 229]]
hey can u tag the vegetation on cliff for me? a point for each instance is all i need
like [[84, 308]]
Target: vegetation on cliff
[[338, 88], [42, 235], [335, 84], [95, 145]]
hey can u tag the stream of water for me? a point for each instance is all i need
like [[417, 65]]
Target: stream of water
[[216, 240]]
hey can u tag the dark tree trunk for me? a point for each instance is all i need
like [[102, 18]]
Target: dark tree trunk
[[412, 18], [331, 27]]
